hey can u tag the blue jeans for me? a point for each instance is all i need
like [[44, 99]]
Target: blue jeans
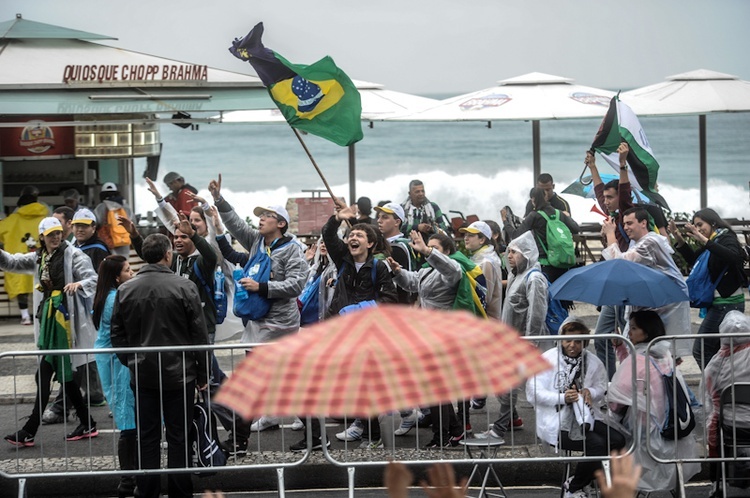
[[705, 349], [606, 323]]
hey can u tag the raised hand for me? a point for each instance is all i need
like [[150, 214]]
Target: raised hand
[[214, 186], [153, 188], [441, 482], [196, 198], [397, 479], [128, 225], [184, 226]]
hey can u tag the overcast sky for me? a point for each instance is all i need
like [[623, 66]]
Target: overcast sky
[[432, 46]]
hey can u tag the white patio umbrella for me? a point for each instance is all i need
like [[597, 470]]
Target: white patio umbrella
[[533, 97], [377, 105], [707, 92]]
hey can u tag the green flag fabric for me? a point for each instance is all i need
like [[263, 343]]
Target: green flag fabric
[[318, 98]]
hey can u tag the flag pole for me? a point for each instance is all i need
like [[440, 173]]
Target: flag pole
[[320, 173]]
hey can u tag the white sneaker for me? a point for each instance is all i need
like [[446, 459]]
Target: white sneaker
[[26, 321], [297, 425], [575, 494], [490, 435], [263, 424], [409, 422], [352, 433]]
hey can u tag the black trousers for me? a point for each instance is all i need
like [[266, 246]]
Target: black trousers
[[174, 407], [43, 379], [599, 441]]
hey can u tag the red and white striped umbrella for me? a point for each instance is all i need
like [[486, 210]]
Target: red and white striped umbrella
[[380, 359]]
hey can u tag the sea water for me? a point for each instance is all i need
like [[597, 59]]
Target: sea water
[[467, 167]]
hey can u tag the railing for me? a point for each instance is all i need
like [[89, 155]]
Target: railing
[[269, 449], [703, 397]]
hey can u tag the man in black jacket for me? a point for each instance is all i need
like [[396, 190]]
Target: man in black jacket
[[361, 278], [159, 308]]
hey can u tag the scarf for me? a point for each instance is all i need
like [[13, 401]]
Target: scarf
[[571, 372], [422, 214]]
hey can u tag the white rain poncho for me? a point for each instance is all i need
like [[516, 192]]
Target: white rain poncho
[[729, 366], [525, 305], [492, 269], [546, 392], [654, 251], [650, 419]]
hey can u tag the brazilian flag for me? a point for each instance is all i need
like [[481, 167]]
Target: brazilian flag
[[319, 98]]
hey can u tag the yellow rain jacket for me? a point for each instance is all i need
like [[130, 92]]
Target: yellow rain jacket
[[19, 233]]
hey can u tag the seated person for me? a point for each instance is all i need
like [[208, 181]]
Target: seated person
[[568, 400], [645, 326], [728, 366]]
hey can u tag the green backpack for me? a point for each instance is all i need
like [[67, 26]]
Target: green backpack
[[560, 248]]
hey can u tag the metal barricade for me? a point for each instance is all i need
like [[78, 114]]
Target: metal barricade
[[98, 456], [708, 393], [517, 448]]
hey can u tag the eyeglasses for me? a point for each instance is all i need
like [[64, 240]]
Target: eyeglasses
[[268, 214]]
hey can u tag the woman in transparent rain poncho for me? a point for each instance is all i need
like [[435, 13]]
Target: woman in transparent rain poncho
[[729, 366], [645, 326]]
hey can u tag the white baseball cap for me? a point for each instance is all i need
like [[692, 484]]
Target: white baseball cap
[[49, 225], [84, 217], [277, 210], [109, 187], [478, 227], [393, 208]]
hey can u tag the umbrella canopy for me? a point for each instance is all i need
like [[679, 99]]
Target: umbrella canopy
[[380, 359], [617, 282], [535, 97], [705, 91]]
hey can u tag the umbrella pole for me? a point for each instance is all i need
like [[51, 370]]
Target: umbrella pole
[[703, 171], [320, 173], [535, 143]]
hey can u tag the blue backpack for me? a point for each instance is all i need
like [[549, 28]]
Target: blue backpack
[[362, 304], [258, 267], [221, 303], [205, 448], [556, 312], [310, 301], [700, 287]]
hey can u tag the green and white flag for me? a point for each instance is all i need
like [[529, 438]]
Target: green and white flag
[[620, 124]]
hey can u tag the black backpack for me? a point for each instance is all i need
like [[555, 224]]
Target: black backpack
[[206, 451], [678, 408]]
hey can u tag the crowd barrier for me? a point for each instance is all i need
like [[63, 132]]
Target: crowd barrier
[[702, 408], [269, 449]]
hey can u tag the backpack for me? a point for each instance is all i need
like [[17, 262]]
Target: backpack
[[362, 304], [117, 233], [221, 303], [556, 312], [309, 302], [258, 267], [472, 288], [206, 451], [678, 407], [700, 287], [403, 243], [560, 249]]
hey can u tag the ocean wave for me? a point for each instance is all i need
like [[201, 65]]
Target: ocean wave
[[476, 194]]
